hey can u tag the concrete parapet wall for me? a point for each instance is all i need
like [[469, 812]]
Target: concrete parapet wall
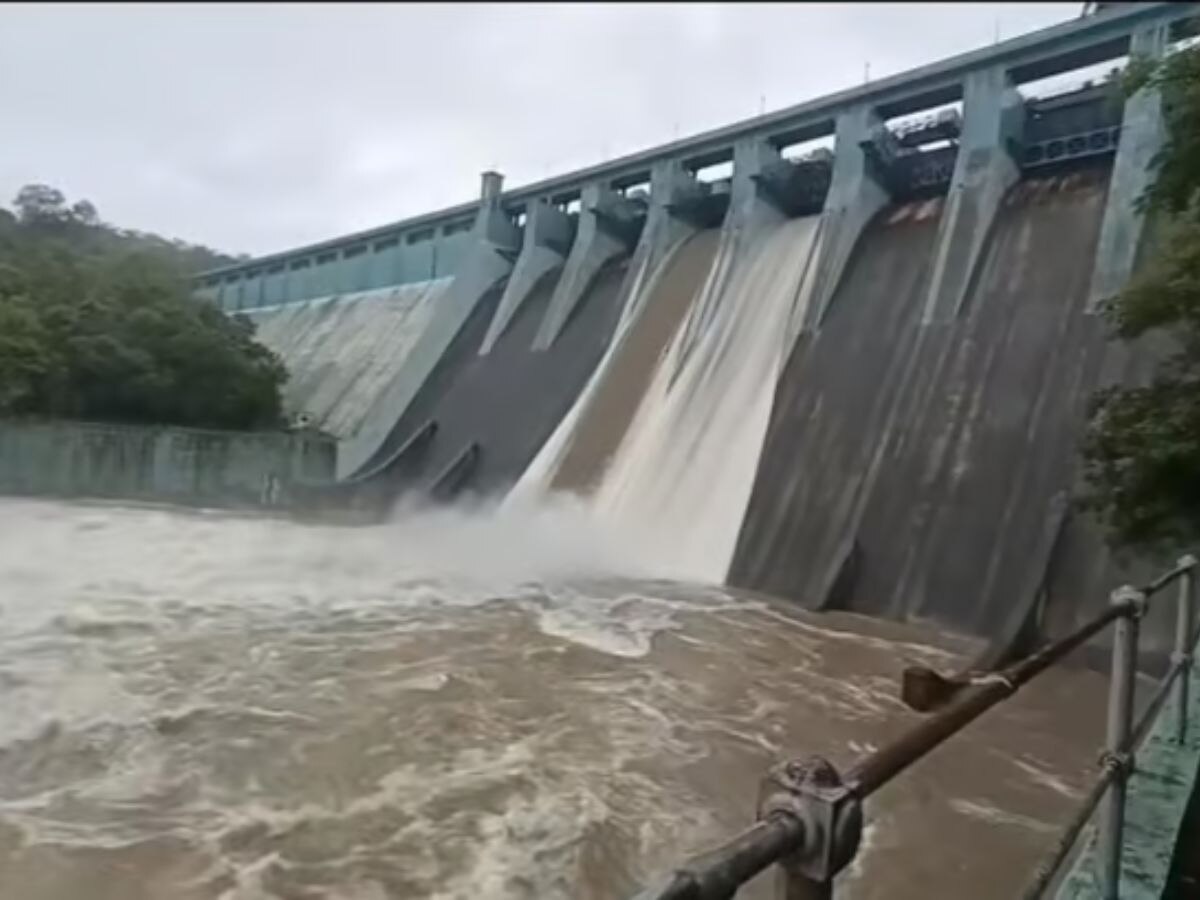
[[177, 465]]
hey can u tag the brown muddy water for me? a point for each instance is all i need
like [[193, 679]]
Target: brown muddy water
[[501, 705]]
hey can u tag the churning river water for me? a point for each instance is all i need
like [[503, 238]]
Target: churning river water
[[498, 704]]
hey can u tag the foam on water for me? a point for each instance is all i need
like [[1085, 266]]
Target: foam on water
[[457, 704], [682, 477]]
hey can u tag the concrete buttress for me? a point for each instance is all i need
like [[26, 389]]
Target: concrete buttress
[[1142, 134], [495, 243], [993, 116], [854, 197], [599, 239], [547, 240]]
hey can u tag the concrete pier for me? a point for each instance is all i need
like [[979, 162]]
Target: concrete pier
[[751, 205], [750, 211], [993, 117], [544, 249], [604, 233], [1142, 134], [494, 246], [855, 195], [665, 228]]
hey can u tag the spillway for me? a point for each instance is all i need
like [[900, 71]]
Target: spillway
[[681, 477], [508, 400], [610, 408], [834, 405], [342, 352], [921, 471], [457, 356]]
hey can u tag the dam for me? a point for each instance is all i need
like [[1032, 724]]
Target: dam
[[771, 348], [668, 469]]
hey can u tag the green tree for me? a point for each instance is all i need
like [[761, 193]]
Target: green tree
[[40, 203], [1142, 447], [100, 324]]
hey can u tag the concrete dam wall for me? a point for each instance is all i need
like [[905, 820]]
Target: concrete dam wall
[[341, 352], [856, 379], [910, 465], [507, 400]]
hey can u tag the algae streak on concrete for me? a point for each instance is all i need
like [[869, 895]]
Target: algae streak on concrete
[[175, 465]]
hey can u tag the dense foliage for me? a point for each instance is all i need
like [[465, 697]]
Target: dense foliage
[[1142, 450], [98, 323]]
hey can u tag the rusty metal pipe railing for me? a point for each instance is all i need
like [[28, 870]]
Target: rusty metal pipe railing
[[1117, 736], [1179, 669], [885, 764], [811, 820], [1185, 640], [1181, 568], [1154, 705], [717, 875]]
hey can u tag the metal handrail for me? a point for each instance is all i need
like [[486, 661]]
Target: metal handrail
[[810, 817], [1052, 865], [1183, 567]]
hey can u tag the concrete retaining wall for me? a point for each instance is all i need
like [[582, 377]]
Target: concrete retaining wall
[[178, 465]]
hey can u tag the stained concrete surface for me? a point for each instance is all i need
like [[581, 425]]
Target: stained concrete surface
[[191, 466], [461, 350], [943, 452]]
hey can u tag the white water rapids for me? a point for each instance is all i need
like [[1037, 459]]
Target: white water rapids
[[467, 704]]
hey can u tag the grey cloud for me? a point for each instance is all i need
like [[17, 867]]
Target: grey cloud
[[254, 127]]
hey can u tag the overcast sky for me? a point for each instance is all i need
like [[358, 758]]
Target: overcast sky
[[253, 128]]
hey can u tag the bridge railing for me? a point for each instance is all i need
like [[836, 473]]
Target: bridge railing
[[810, 816]]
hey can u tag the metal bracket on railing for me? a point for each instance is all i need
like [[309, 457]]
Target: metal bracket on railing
[[1119, 763], [812, 791], [1131, 597]]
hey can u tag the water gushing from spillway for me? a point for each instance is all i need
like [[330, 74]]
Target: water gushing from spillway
[[682, 477], [462, 704]]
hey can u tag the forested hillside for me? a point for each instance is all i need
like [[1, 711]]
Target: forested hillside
[[98, 323]]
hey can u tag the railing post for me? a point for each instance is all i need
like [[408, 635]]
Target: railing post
[[812, 792], [1120, 723], [795, 886], [1182, 657]]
